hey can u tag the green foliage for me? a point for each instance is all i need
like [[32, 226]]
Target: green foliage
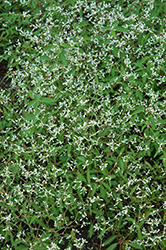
[[83, 154]]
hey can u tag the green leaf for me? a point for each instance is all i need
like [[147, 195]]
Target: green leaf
[[23, 207], [90, 232], [113, 33], [138, 64], [33, 219], [17, 242], [23, 247], [68, 150], [37, 85], [121, 29], [102, 191], [135, 246], [36, 106], [81, 158], [30, 117], [106, 186], [115, 51], [133, 190], [139, 69], [95, 211], [112, 247], [94, 189], [79, 195], [130, 219], [121, 164], [49, 47], [11, 238], [63, 57], [161, 121], [48, 100], [31, 94], [96, 79], [163, 244], [37, 97], [139, 234], [81, 177], [88, 176], [138, 109], [144, 59], [164, 159], [44, 58], [54, 65], [105, 132], [31, 103], [40, 248], [63, 158], [67, 2], [148, 164], [1, 156], [107, 28], [109, 240], [83, 24]]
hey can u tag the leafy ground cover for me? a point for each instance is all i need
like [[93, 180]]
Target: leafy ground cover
[[83, 126]]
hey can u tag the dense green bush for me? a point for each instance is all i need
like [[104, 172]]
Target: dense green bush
[[83, 135]]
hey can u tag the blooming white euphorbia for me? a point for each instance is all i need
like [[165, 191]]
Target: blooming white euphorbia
[[105, 106]]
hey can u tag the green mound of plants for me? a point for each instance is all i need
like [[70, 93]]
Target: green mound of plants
[[83, 126]]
